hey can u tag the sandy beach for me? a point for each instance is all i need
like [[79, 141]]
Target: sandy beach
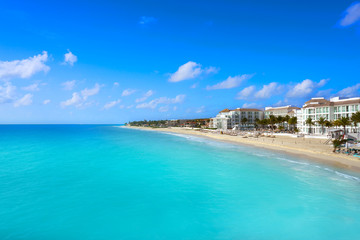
[[309, 148]]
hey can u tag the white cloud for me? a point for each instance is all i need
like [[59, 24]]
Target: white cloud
[[246, 92], [305, 88], [116, 84], [69, 85], [75, 100], [322, 82], [190, 70], [211, 70], [250, 105], [144, 20], [230, 82], [47, 101], [24, 68], [164, 108], [201, 109], [79, 99], [350, 91], [324, 93], [90, 92], [32, 88], [268, 90], [146, 96], [162, 100], [351, 15], [70, 58], [281, 103], [24, 101], [128, 92], [112, 104], [7, 92]]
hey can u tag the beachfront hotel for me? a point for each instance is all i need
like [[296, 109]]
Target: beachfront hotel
[[331, 110], [280, 111], [315, 108], [234, 119]]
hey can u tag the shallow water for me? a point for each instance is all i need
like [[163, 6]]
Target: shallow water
[[104, 182]]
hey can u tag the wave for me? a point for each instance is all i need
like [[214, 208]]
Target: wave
[[268, 155], [344, 175]]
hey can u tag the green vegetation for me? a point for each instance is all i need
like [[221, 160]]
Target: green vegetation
[[322, 122], [309, 122], [196, 123], [344, 121], [337, 143]]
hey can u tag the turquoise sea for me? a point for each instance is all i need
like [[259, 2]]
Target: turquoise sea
[[104, 182]]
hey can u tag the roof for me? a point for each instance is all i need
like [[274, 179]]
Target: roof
[[281, 108], [246, 110], [350, 101], [317, 102], [225, 110], [321, 102]]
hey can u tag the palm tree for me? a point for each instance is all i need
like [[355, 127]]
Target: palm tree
[[344, 121], [292, 121], [256, 123], [321, 122], [328, 125], [337, 143], [286, 119], [272, 121], [280, 120], [243, 121], [355, 118], [337, 123], [310, 123], [265, 122]]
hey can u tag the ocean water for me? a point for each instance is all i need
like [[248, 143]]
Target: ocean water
[[104, 182]]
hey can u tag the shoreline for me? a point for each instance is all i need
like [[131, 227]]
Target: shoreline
[[311, 149]]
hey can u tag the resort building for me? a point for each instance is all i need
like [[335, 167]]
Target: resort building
[[239, 118], [280, 111], [315, 108], [330, 110]]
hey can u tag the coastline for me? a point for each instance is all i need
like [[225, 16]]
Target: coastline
[[312, 149]]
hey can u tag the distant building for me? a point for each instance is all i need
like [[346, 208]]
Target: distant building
[[230, 119], [330, 110], [280, 111], [315, 108]]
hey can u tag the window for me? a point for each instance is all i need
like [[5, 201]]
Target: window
[[347, 108]]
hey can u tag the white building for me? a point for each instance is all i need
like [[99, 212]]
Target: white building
[[280, 111], [331, 110], [230, 119]]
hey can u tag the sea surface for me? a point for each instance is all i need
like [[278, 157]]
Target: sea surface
[[104, 182]]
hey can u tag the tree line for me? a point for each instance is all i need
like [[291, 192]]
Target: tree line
[[341, 122]]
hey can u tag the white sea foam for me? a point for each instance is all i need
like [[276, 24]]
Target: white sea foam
[[206, 141], [268, 154], [293, 161], [347, 176]]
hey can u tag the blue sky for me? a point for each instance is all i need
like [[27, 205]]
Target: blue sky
[[117, 61]]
